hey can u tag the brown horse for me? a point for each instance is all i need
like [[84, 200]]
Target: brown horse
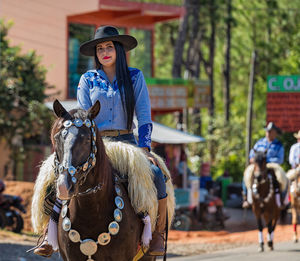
[[97, 221], [264, 203], [294, 177]]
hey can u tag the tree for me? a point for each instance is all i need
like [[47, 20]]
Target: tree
[[227, 58], [22, 84], [271, 27]]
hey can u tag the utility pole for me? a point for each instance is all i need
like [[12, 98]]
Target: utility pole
[[250, 107]]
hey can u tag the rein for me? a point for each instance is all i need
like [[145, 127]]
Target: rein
[[89, 191]]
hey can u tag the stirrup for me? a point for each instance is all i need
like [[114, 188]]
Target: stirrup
[[39, 242], [45, 250]]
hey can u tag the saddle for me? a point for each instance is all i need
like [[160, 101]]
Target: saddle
[[278, 170], [293, 176]]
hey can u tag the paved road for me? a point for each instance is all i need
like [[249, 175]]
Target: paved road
[[286, 251]]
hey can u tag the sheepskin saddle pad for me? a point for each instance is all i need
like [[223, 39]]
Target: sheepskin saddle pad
[[292, 174], [279, 173], [129, 161]]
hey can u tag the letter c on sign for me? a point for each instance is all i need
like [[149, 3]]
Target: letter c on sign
[[271, 86]]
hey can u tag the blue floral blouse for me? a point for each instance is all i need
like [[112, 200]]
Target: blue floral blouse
[[94, 85]]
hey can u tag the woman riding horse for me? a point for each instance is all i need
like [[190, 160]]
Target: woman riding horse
[[121, 91], [96, 221]]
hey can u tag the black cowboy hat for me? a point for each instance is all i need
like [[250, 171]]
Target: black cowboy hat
[[271, 126], [107, 33]]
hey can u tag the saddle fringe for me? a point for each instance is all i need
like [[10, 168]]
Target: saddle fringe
[[130, 161], [45, 178]]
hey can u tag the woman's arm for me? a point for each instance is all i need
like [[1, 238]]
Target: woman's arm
[[145, 132], [143, 111], [83, 94]]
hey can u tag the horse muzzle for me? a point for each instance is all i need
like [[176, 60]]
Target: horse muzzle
[[64, 189]]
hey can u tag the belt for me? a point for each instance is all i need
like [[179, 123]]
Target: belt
[[114, 133]]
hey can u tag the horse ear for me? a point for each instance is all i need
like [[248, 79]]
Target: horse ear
[[58, 109], [255, 151], [94, 110], [266, 152]]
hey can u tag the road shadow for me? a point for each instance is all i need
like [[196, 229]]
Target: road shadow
[[17, 252], [242, 220]]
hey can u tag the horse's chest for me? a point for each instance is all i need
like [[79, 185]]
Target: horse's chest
[[263, 190], [112, 234]]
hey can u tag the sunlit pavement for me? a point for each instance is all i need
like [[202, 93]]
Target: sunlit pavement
[[283, 251]]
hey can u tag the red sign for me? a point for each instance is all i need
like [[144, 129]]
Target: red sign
[[284, 110]]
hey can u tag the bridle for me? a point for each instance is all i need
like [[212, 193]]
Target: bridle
[[88, 165], [260, 182], [88, 246]]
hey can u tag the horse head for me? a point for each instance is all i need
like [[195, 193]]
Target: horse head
[[74, 140], [260, 162]]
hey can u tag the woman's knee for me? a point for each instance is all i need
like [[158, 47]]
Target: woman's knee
[[158, 175], [159, 182]]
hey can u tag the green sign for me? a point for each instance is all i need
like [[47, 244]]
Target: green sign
[[282, 83]]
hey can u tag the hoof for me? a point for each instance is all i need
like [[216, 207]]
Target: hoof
[[261, 248], [295, 239], [270, 245]]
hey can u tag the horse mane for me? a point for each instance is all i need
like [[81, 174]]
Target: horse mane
[[102, 165]]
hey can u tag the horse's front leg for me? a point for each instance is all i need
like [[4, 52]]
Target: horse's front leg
[[260, 234], [270, 236]]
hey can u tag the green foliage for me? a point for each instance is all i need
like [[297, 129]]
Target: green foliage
[[22, 84], [271, 28], [141, 57]]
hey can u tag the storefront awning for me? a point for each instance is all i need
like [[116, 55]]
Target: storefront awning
[[167, 135], [128, 14], [160, 134]]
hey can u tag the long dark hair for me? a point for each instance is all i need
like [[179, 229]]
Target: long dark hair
[[124, 81]]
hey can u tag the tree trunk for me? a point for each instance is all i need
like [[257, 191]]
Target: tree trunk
[[250, 107], [178, 52], [193, 58], [212, 12], [227, 68]]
